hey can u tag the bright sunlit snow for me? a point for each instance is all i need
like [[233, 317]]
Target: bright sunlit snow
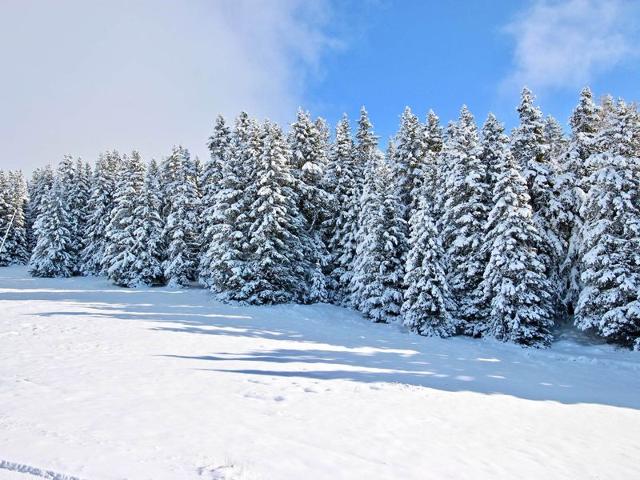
[[98, 382]]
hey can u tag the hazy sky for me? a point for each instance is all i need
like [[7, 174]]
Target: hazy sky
[[82, 76]]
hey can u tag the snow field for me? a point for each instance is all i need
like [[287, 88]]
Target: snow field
[[98, 382]]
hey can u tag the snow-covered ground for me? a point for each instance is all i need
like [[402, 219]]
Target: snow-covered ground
[[98, 382]]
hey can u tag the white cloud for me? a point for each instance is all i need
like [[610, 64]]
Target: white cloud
[[81, 77], [562, 44]]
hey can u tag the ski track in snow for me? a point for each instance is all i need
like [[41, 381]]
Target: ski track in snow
[[34, 471], [162, 384]]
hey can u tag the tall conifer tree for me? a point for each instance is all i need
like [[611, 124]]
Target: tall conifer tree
[[463, 218]]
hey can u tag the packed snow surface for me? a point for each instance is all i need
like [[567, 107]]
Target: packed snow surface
[[99, 382]]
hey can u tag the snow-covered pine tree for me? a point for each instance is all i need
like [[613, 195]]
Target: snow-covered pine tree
[[13, 202], [324, 136], [556, 145], [367, 158], [408, 162], [101, 202], [309, 162], [198, 172], [18, 231], [225, 254], [530, 153], [377, 281], [428, 304], [212, 183], [51, 256], [570, 188], [275, 268], [619, 132], [122, 251], [69, 182], [515, 284], [343, 228], [40, 183], [150, 247], [433, 133], [434, 172], [6, 215], [464, 214], [609, 302], [328, 184], [79, 193], [494, 145], [181, 224], [555, 140], [366, 150]]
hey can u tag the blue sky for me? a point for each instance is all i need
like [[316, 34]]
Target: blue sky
[[81, 77], [432, 54]]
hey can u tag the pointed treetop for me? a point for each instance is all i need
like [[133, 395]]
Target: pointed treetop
[[527, 110], [492, 124], [584, 118]]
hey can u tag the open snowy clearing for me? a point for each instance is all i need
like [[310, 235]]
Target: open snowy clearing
[[98, 382]]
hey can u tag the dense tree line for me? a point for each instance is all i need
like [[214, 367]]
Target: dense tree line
[[456, 230]]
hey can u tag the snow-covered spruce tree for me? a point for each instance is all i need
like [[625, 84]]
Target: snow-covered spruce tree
[[619, 132], [225, 254], [328, 285], [324, 138], [366, 160], [377, 281], [570, 188], [13, 202], [75, 187], [556, 146], [40, 183], [516, 291], [493, 146], [6, 215], [52, 255], [211, 184], [181, 224], [79, 193], [123, 249], [18, 231], [408, 162], [529, 150], [150, 247], [433, 133], [610, 238], [198, 172], [367, 214], [609, 302], [342, 245], [555, 140], [433, 171], [68, 178], [275, 268], [309, 162], [101, 202], [464, 214], [366, 150], [428, 304]]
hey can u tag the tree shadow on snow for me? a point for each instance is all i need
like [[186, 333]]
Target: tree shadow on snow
[[331, 343]]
